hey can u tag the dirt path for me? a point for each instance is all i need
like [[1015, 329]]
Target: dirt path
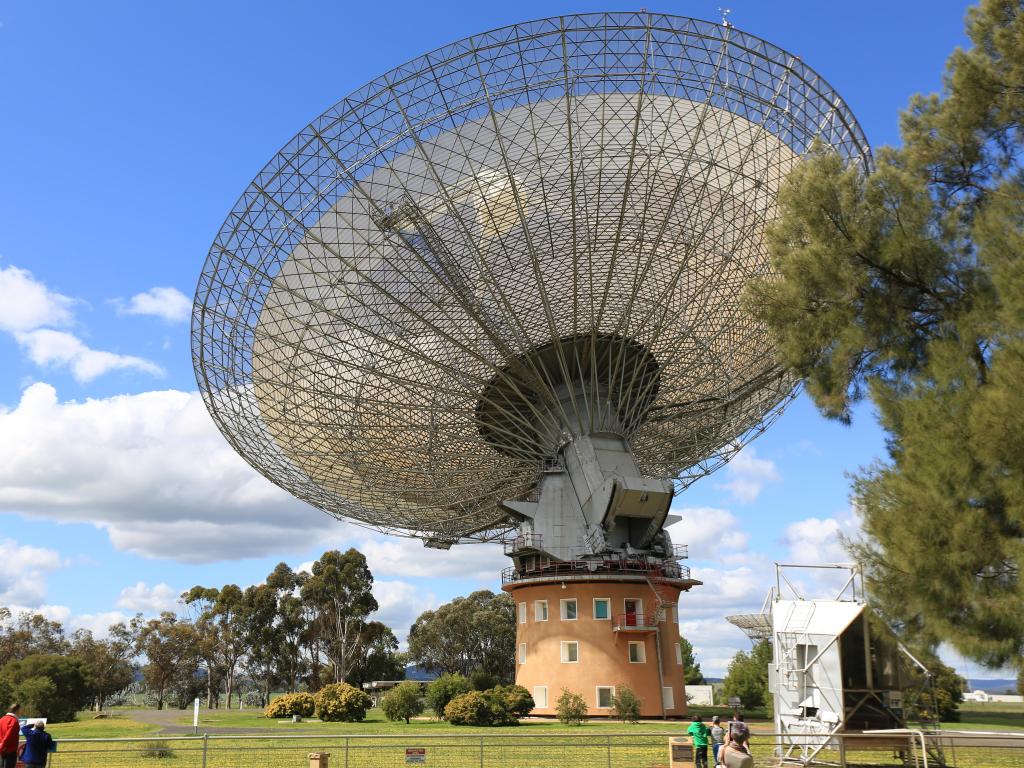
[[167, 719]]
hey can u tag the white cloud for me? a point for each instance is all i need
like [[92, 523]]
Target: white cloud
[[142, 598], [400, 604], [28, 309], [59, 613], [23, 572], [816, 541], [97, 623], [151, 469], [408, 558], [26, 303], [708, 532], [167, 303], [748, 475], [48, 347]]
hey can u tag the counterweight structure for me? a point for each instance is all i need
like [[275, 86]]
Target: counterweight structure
[[495, 294]]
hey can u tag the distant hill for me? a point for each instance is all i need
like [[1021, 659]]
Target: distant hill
[[414, 672], [994, 685]]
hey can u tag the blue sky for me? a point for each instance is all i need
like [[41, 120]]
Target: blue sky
[[129, 130]]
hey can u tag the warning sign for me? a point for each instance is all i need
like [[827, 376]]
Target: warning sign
[[416, 755]]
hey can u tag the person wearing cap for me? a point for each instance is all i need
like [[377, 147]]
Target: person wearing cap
[[699, 733], [38, 745], [9, 725], [717, 737]]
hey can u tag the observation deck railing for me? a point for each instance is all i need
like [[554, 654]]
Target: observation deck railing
[[523, 542], [578, 569], [636, 622], [680, 551]]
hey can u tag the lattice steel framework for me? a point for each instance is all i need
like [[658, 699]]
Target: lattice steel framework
[[526, 235]]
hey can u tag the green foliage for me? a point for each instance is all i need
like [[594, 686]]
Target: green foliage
[[691, 669], [482, 681], [340, 597], [936, 696], [341, 703], [470, 708], [443, 690], [302, 704], [570, 707], [907, 285], [498, 706], [403, 701], [378, 657], [156, 750], [468, 635], [55, 687], [747, 676], [626, 704], [518, 701]]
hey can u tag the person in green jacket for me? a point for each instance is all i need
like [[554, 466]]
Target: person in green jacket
[[699, 733]]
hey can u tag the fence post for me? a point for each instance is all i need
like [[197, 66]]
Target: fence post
[[346, 752], [609, 752], [481, 752], [206, 744]]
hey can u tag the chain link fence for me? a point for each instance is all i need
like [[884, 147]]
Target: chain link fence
[[909, 749]]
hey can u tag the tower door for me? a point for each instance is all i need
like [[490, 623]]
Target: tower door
[[634, 608]]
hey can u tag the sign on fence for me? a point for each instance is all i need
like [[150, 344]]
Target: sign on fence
[[416, 755]]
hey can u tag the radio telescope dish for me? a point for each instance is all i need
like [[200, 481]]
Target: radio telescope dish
[[518, 255]]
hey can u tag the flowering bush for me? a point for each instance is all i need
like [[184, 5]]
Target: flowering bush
[[301, 704], [341, 703], [468, 709]]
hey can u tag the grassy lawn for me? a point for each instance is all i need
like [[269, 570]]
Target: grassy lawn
[[989, 716], [534, 744], [88, 727], [376, 723]]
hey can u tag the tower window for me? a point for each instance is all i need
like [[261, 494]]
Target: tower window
[[668, 698], [522, 613], [540, 696], [637, 652], [602, 608], [568, 609], [605, 693], [570, 651], [540, 610]]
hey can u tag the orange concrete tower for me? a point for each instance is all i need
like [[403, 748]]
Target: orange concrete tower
[[594, 627]]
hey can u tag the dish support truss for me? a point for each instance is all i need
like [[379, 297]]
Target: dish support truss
[[393, 320]]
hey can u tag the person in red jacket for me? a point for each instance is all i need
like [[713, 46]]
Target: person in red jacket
[[10, 729]]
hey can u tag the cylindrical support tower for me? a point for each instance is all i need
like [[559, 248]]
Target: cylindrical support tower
[[593, 633]]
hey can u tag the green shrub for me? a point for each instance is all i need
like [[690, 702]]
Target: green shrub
[[508, 703], [626, 704], [482, 681], [403, 701], [51, 686], [501, 705], [443, 690], [471, 708], [156, 750], [302, 704], [341, 703], [571, 708]]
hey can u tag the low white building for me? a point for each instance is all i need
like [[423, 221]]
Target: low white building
[[700, 695], [985, 696]]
